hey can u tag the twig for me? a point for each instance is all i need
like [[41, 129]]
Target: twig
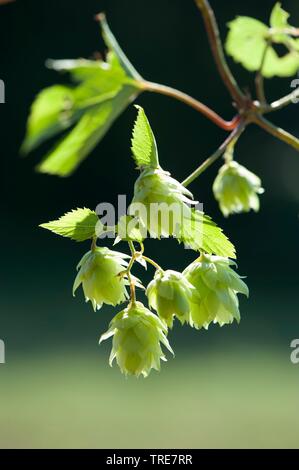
[[276, 131], [259, 79], [283, 102], [217, 50], [219, 152], [195, 104]]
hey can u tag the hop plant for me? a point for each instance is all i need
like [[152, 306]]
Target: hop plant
[[237, 189], [170, 294], [85, 111], [161, 202], [99, 271], [217, 285], [137, 334]]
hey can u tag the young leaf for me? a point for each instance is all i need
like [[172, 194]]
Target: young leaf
[[103, 91], [203, 234], [91, 128], [144, 145], [249, 42], [50, 113], [279, 17], [246, 41], [79, 224]]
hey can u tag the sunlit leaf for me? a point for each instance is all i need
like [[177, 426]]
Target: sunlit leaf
[[91, 128], [144, 145], [101, 92], [249, 42], [79, 224], [202, 234]]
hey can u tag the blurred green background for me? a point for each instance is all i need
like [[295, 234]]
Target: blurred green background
[[229, 387]]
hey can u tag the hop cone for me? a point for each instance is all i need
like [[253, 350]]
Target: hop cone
[[163, 202], [170, 293], [217, 285], [98, 274], [237, 189], [137, 334]]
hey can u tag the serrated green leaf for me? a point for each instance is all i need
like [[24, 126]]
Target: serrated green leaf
[[97, 76], [284, 66], [279, 21], [144, 145], [202, 234], [279, 17], [79, 224], [51, 112], [91, 128], [246, 41], [102, 91]]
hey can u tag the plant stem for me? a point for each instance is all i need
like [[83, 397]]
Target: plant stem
[[192, 102], [259, 79], [132, 285], [219, 152], [152, 262], [276, 131], [217, 50], [94, 243], [283, 102]]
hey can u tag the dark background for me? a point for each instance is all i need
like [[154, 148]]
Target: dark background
[[166, 42]]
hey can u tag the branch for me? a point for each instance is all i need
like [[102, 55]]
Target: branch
[[192, 102], [277, 132], [219, 152], [283, 102], [217, 50]]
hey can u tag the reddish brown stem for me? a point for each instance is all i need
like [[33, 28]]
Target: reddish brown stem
[[193, 103]]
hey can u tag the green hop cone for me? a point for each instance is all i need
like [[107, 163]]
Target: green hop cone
[[161, 203], [98, 274], [137, 334], [217, 285], [237, 189], [170, 294]]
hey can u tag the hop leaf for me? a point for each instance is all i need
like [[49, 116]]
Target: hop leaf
[[102, 92], [137, 334], [201, 233], [144, 145], [249, 42], [78, 224], [246, 41]]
